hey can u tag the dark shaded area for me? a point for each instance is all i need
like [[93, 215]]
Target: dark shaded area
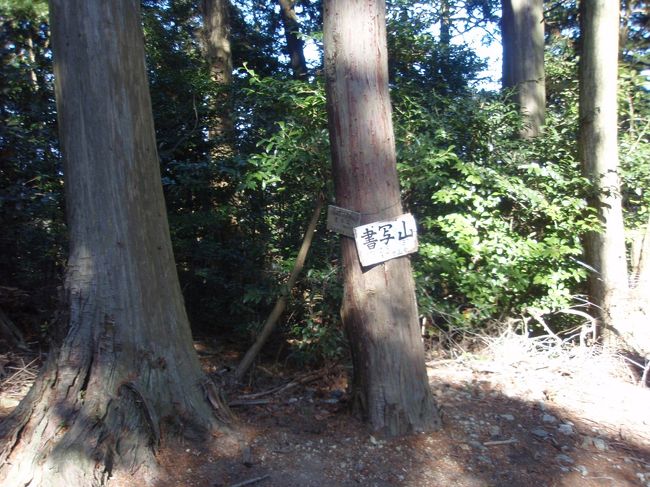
[[309, 431]]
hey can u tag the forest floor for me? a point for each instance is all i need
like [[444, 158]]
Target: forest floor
[[515, 414]]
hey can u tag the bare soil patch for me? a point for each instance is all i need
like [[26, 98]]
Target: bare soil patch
[[510, 418]]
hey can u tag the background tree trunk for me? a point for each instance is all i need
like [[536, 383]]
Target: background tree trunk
[[379, 311], [31, 56], [295, 45], [605, 251], [216, 34], [522, 32], [445, 39], [126, 374]]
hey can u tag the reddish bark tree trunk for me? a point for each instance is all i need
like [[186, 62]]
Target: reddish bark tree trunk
[[126, 374], [379, 311]]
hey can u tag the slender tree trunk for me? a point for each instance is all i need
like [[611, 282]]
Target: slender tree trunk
[[445, 23], [126, 375], [10, 333], [605, 250], [216, 33], [295, 45], [522, 32], [445, 39], [281, 303], [31, 56], [379, 311]]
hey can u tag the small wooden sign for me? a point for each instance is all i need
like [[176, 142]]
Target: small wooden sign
[[381, 241], [342, 221]]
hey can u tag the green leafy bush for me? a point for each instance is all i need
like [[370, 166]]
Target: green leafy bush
[[500, 218]]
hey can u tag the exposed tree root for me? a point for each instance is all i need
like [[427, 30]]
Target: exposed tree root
[[70, 431]]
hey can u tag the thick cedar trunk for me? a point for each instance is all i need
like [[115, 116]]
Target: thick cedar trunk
[[216, 34], [295, 45], [379, 311], [522, 32], [605, 250], [126, 374]]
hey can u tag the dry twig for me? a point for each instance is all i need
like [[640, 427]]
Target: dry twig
[[276, 390], [251, 481], [256, 402], [500, 442]]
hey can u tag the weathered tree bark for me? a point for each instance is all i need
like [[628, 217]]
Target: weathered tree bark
[[379, 311], [522, 32], [216, 35], [295, 45], [605, 250], [126, 375]]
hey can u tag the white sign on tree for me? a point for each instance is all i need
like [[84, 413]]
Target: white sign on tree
[[381, 241]]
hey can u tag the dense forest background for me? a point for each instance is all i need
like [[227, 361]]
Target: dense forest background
[[501, 218]]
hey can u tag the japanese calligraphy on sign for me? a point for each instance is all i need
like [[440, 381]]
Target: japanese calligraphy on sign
[[342, 221], [381, 241]]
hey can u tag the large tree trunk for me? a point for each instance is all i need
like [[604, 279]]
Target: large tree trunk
[[605, 250], [522, 32], [295, 45], [216, 34], [379, 311], [126, 375]]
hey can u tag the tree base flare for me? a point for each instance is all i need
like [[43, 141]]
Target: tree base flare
[[65, 433]]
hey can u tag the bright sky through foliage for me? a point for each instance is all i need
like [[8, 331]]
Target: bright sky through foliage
[[475, 38]]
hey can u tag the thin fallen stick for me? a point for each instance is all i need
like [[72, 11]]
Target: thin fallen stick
[[249, 403], [541, 321], [20, 371], [644, 378], [281, 303], [640, 460], [301, 380], [24, 367], [251, 481], [500, 442], [434, 363], [289, 385]]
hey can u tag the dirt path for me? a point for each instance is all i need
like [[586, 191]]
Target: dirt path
[[506, 423]]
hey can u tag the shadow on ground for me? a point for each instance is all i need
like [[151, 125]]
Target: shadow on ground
[[502, 426], [304, 436]]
